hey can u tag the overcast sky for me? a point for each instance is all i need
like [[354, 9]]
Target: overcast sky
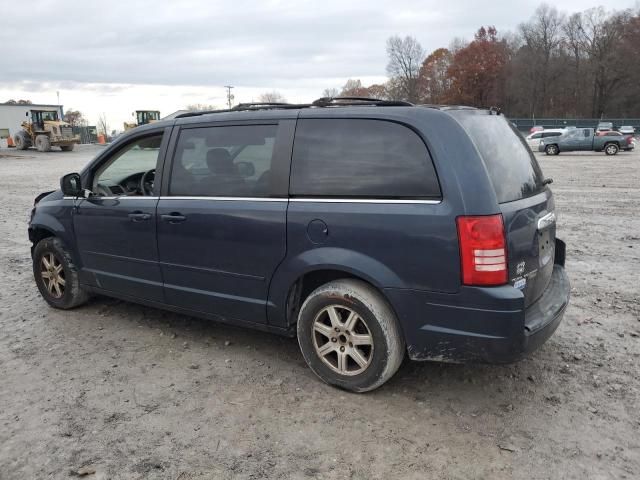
[[119, 56]]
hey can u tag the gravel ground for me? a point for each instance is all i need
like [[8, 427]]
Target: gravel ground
[[137, 393]]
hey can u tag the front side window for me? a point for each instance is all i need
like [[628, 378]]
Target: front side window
[[227, 161], [360, 158], [131, 170]]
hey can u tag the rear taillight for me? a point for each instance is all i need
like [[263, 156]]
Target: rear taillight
[[629, 140], [483, 251]]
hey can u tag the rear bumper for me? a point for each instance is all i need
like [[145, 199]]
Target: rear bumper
[[480, 324]]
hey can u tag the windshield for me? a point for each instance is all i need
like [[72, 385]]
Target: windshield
[[512, 166], [49, 116]]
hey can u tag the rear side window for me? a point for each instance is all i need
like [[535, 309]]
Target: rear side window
[[551, 134], [229, 161], [512, 167], [360, 158]]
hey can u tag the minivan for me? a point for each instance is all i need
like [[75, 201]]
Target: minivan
[[372, 230]]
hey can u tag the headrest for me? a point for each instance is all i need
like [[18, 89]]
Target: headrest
[[219, 161]]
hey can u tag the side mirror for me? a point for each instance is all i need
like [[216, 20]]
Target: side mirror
[[246, 169], [70, 185]]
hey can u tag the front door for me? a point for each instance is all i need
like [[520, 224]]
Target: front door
[[116, 227], [222, 218]]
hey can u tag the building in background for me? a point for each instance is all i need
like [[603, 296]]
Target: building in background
[[12, 116]]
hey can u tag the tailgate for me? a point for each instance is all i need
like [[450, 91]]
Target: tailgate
[[530, 228]]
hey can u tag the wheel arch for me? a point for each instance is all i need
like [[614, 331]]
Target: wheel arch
[[298, 277]]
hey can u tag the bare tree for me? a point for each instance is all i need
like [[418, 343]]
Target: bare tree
[[272, 97], [405, 59], [601, 38], [330, 92], [103, 126], [201, 107], [542, 37]]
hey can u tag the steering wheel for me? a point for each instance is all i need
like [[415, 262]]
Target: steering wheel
[[146, 182]]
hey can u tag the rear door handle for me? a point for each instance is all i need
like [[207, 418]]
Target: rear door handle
[[173, 217], [138, 216]]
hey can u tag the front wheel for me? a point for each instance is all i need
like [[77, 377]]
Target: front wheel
[[56, 275], [552, 150], [43, 144], [349, 336], [22, 140], [611, 149]]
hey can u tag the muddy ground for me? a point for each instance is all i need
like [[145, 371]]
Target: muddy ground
[[137, 393]]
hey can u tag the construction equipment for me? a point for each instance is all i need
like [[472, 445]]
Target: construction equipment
[[43, 130], [142, 118]]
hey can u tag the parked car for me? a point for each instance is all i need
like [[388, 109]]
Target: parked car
[[627, 130], [604, 127], [369, 229], [533, 140], [585, 139]]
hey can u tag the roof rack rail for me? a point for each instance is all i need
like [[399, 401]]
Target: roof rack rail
[[319, 103], [356, 101], [266, 106]]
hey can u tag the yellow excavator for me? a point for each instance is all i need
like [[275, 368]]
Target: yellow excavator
[[142, 118], [43, 130]]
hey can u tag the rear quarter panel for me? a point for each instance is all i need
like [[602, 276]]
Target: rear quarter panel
[[401, 245]]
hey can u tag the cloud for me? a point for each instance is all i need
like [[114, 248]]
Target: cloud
[[298, 47]]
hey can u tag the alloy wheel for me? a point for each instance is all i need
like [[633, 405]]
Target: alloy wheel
[[52, 274], [342, 340]]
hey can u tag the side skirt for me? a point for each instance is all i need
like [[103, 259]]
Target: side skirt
[[185, 311]]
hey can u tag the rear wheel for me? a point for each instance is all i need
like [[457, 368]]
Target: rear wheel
[[56, 275], [43, 144], [552, 150], [349, 336], [66, 148], [611, 149], [22, 140]]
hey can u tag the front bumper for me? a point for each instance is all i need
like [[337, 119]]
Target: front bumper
[[480, 324]]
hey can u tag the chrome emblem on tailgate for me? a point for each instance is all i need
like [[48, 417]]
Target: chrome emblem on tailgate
[[547, 220]]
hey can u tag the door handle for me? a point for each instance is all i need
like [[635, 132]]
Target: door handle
[[173, 217], [138, 216]]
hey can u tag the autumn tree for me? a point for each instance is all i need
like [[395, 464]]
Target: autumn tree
[[354, 88], [18, 102], [476, 72], [405, 59], [433, 80]]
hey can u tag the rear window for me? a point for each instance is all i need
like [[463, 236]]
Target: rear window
[[512, 167], [360, 158], [551, 134]]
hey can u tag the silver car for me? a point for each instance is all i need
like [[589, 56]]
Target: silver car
[[533, 140]]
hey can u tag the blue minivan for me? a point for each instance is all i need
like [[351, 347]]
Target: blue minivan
[[371, 229]]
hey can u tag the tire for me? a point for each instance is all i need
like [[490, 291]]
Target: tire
[[552, 150], [22, 140], [43, 144], [374, 337], [51, 251], [67, 148], [611, 149]]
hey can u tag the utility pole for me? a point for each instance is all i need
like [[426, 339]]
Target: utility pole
[[229, 96]]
